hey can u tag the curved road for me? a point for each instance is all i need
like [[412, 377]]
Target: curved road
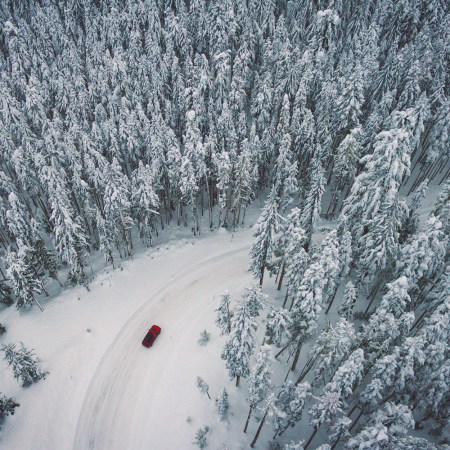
[[137, 396]]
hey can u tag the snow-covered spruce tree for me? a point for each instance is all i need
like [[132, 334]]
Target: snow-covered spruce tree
[[285, 171], [255, 299], [260, 380], [331, 347], [278, 323], [292, 241], [23, 279], [193, 167], [307, 306], [264, 235], [68, 232], [240, 342], [348, 375], [106, 237], [345, 166], [412, 222], [145, 202], [223, 318], [223, 166], [25, 228], [315, 190], [117, 207], [7, 406], [222, 404], [386, 426], [348, 301], [203, 386], [326, 408], [374, 211], [422, 257], [289, 405], [329, 257], [244, 183], [24, 364], [201, 437]]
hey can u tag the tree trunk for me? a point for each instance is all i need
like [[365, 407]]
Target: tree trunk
[[297, 354], [248, 418], [332, 300], [280, 281], [285, 299], [252, 445], [37, 303], [238, 378], [311, 438], [282, 350]]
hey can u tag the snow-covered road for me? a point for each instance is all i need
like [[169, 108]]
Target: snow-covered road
[[139, 398]]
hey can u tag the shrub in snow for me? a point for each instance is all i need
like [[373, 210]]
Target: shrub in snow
[[2, 329], [204, 338], [294, 446], [5, 294], [203, 386], [7, 406], [222, 404], [200, 437], [189, 419], [24, 364]]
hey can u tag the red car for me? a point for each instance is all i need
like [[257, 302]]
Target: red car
[[151, 336]]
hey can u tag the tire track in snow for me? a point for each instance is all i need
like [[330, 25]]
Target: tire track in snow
[[119, 405]]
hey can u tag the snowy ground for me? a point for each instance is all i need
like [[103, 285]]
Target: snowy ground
[[105, 390]]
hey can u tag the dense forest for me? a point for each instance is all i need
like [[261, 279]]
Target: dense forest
[[119, 117]]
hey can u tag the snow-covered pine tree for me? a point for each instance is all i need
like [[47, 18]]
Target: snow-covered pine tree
[[348, 375], [260, 380], [293, 254], [348, 301], [307, 306], [278, 323], [68, 232], [330, 348], [222, 404], [412, 222], [265, 231], [240, 342], [255, 299], [289, 405], [117, 207], [145, 202], [326, 408], [223, 318], [315, 190], [106, 237], [385, 427], [24, 364], [373, 210], [329, 257], [25, 284], [244, 183]]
